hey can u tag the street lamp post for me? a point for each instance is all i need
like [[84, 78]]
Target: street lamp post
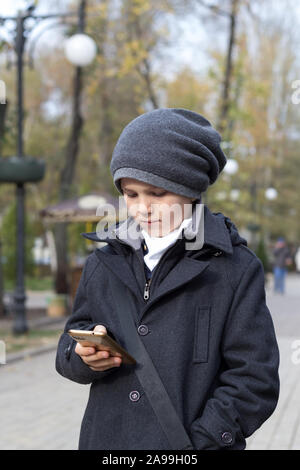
[[20, 323]]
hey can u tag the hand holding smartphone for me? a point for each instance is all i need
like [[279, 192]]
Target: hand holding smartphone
[[101, 341]]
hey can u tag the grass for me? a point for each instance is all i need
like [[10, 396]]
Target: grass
[[34, 338], [31, 283]]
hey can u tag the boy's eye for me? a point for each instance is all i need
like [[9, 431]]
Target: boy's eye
[[153, 194]]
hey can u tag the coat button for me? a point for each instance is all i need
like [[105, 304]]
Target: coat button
[[134, 395], [227, 437], [143, 330]]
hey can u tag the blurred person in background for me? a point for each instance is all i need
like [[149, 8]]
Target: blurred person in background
[[282, 259]]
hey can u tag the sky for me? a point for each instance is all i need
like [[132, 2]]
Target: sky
[[10, 7], [190, 38], [187, 43]]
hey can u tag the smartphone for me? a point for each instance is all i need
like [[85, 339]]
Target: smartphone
[[100, 338]]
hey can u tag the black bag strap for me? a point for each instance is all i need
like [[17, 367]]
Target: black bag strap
[[146, 371]]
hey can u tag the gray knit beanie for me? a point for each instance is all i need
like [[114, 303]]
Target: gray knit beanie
[[171, 148]]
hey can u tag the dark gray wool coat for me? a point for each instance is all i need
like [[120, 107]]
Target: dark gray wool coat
[[208, 331]]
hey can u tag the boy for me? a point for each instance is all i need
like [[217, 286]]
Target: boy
[[200, 307]]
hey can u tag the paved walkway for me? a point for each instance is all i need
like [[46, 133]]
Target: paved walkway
[[282, 430], [39, 409]]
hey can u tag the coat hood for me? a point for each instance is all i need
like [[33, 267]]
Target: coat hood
[[209, 228], [235, 237]]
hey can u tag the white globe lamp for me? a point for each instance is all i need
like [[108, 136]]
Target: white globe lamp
[[235, 194], [231, 166], [80, 50], [271, 194]]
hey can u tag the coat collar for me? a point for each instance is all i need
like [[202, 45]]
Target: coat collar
[[208, 228], [216, 234]]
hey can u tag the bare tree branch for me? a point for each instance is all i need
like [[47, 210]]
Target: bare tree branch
[[146, 74], [214, 8], [144, 68], [250, 11], [227, 82]]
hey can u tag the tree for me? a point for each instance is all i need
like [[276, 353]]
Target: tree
[[187, 90], [66, 180], [8, 236], [2, 308], [262, 254], [67, 174]]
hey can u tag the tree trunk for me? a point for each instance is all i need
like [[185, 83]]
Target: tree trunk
[[224, 126], [1, 285], [61, 282], [3, 112], [225, 98], [107, 128], [146, 74], [144, 68], [65, 189]]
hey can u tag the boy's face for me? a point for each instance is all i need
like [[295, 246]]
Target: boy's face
[[155, 209]]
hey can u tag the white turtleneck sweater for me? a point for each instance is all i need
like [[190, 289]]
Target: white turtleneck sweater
[[158, 245]]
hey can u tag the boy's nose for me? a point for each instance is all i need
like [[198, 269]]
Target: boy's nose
[[145, 207]]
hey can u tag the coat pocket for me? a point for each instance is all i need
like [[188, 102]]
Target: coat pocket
[[201, 338]]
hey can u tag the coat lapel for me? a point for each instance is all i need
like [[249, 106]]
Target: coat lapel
[[187, 268], [119, 266], [183, 272]]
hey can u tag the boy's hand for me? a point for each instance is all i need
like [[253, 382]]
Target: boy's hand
[[97, 358]]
